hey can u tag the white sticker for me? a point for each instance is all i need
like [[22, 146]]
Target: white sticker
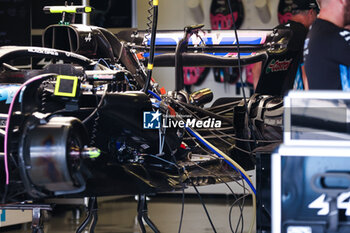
[[343, 202], [299, 229]]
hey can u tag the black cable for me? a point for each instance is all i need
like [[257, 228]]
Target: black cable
[[242, 198], [243, 203], [203, 111], [244, 193], [238, 52], [182, 185], [249, 152], [199, 146], [229, 110], [183, 193], [241, 206], [223, 105], [203, 204], [220, 138], [174, 163], [232, 136], [97, 107], [244, 190], [164, 160], [240, 75], [210, 130], [244, 151], [241, 219], [182, 207], [152, 48]]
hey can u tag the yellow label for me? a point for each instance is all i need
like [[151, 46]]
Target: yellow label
[[60, 9], [155, 2], [88, 9], [94, 154], [69, 9], [59, 82], [150, 66]]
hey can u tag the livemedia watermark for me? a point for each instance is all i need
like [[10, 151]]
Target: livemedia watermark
[[156, 120]]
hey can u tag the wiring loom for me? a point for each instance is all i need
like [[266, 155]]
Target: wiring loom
[[216, 151]]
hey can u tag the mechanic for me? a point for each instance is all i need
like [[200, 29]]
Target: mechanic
[[327, 47], [279, 72]]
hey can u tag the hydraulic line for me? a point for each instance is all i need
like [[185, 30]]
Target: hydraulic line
[[152, 46]]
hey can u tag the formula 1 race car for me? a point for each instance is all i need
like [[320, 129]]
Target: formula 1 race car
[[91, 124]]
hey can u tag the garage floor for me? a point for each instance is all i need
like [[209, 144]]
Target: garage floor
[[119, 216]]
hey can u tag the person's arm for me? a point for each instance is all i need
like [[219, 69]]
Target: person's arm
[[305, 81]]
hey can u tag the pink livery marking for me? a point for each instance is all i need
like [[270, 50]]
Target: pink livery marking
[[221, 21], [284, 18], [192, 74]]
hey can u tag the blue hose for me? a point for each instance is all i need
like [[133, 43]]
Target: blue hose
[[218, 154], [155, 95]]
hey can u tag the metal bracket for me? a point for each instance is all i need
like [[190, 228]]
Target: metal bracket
[[37, 224]]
